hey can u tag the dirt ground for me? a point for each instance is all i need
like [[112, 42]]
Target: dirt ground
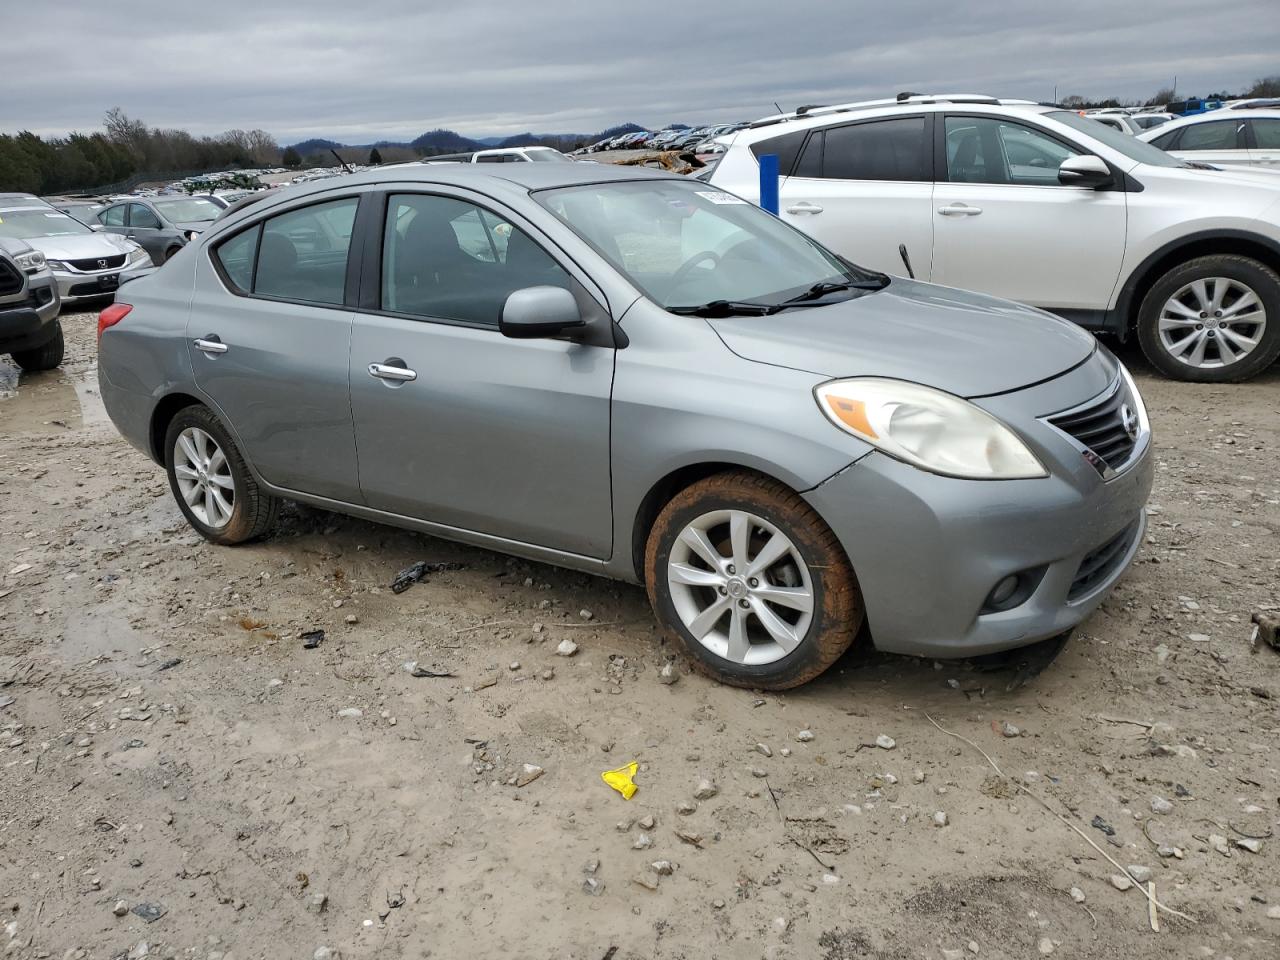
[[169, 746]]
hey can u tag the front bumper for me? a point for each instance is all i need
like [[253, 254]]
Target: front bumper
[[74, 285], [928, 550], [28, 325]]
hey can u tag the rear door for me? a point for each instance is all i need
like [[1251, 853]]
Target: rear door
[[144, 228], [269, 340], [1264, 141], [1004, 225], [863, 189], [503, 437]]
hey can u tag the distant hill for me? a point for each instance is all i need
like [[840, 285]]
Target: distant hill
[[448, 141]]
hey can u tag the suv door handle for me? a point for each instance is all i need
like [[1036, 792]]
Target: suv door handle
[[393, 369], [959, 210], [211, 344], [804, 206]]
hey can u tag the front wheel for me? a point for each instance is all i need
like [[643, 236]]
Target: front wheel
[[211, 482], [45, 357], [745, 576], [1214, 319]]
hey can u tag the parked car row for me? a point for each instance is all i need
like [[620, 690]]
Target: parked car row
[[1044, 206], [697, 139]]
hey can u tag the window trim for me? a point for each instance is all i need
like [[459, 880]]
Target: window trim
[[354, 252], [370, 299], [1119, 181]]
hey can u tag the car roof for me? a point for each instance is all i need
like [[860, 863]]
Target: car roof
[[803, 118]]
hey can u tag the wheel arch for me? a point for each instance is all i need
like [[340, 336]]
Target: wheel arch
[[1202, 244], [162, 416]]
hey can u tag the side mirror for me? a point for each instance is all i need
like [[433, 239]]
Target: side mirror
[[96, 227], [1086, 171], [539, 312]]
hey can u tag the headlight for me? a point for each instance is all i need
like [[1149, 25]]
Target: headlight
[[192, 234], [138, 255], [927, 428], [31, 262], [55, 265]]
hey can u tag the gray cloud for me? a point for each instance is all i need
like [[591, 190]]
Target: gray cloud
[[394, 68]]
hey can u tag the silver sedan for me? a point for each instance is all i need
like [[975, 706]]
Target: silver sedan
[[633, 374]]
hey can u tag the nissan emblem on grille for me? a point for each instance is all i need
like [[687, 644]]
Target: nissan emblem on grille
[[1129, 420]]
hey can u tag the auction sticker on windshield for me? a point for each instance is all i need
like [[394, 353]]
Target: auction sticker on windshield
[[716, 196]]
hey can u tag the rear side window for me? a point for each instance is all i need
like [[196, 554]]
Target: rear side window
[[113, 216], [300, 255], [1216, 135], [786, 148], [236, 258], [1266, 133], [880, 150]]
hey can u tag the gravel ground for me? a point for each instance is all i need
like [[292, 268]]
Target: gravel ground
[[169, 746]]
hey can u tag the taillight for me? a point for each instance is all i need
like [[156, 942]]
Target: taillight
[[112, 315]]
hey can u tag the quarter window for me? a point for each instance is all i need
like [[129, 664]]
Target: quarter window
[[302, 254], [987, 150], [236, 258], [113, 216], [449, 259], [1215, 135], [881, 150], [786, 148]]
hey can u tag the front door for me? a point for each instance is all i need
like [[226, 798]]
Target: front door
[[269, 337], [144, 230], [457, 424], [863, 190], [1213, 141], [1005, 226]]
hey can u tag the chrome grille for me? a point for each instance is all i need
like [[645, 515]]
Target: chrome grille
[[94, 264], [1107, 426]]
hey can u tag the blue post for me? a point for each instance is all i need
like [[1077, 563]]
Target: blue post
[[769, 183]]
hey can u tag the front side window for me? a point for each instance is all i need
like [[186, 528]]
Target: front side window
[[1215, 135], [302, 254], [688, 246], [988, 150], [113, 216], [140, 216], [880, 150], [452, 260], [1266, 133]]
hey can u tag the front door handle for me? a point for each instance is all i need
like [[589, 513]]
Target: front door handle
[[804, 206], [393, 369], [211, 344], [959, 210]]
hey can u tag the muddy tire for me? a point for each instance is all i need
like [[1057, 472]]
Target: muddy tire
[[45, 357], [749, 581], [1213, 319], [211, 483]]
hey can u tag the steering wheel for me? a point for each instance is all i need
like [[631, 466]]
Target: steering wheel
[[683, 271]]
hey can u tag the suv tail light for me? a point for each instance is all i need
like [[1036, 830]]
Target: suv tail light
[[112, 315]]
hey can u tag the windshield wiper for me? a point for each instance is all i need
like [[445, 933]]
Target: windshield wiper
[[820, 290], [726, 308], [1197, 165]]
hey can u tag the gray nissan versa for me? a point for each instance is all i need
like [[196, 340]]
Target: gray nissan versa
[[637, 375]]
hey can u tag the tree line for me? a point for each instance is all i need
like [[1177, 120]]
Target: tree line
[[1262, 87], [125, 147]]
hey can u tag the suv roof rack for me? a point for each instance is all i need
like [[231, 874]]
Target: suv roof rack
[[905, 98]]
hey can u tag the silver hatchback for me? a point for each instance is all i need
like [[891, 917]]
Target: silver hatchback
[[639, 376]]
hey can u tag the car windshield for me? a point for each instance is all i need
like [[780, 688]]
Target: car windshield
[[542, 156], [188, 209], [1117, 140], [688, 246], [42, 222]]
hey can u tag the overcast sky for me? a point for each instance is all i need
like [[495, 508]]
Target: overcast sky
[[392, 69]]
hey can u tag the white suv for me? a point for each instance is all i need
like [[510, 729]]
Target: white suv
[[1041, 205]]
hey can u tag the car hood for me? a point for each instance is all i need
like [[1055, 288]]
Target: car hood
[[83, 246], [13, 246], [199, 226], [968, 344]]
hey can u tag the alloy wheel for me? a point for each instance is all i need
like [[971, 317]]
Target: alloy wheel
[[1212, 322], [204, 477], [740, 587]]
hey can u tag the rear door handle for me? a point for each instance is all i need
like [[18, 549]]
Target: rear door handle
[[211, 344], [959, 210], [804, 206], [393, 369]]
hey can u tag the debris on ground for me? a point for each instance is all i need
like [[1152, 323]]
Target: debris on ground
[[311, 639], [414, 669], [419, 571], [620, 779], [1266, 627]]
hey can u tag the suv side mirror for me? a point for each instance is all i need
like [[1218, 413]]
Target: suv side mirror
[[539, 312], [1085, 171]]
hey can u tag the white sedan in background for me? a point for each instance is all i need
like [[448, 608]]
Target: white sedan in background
[[1245, 136]]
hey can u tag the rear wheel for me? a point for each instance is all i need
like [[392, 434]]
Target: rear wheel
[[1214, 319], [45, 357], [746, 577], [209, 479]]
